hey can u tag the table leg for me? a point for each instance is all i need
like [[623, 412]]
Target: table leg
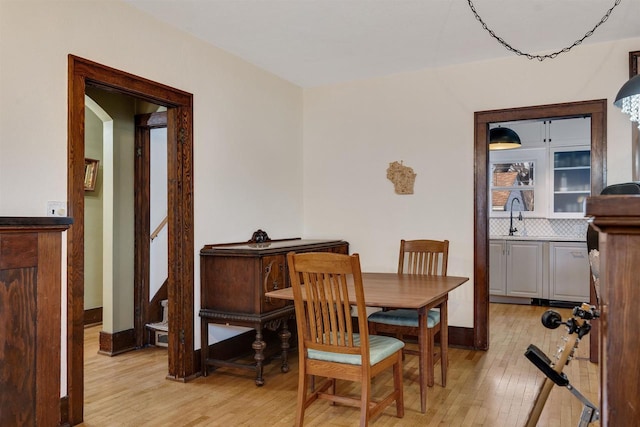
[[204, 346], [444, 341], [285, 335], [259, 346], [423, 343]]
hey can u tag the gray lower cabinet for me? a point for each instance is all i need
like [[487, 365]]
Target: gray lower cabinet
[[568, 271], [497, 267], [516, 268]]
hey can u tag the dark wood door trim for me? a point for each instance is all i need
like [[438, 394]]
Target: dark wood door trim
[[83, 73], [634, 68], [597, 110], [144, 124]]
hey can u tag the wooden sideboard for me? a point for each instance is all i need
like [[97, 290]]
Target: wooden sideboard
[[30, 269], [617, 218], [233, 280]]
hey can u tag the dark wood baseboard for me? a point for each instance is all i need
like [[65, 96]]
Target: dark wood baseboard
[[461, 337], [198, 360], [93, 316], [64, 411], [117, 343]]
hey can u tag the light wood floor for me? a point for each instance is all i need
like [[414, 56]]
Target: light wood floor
[[493, 388]]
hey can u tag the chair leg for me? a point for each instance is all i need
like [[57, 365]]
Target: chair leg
[[303, 384], [429, 357], [397, 384], [443, 361], [401, 338], [365, 398], [423, 340], [332, 388]]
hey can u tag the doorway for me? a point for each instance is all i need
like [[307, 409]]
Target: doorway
[[597, 110], [83, 73], [113, 238], [151, 208]]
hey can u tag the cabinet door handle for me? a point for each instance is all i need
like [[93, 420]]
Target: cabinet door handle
[[265, 283], [577, 254]]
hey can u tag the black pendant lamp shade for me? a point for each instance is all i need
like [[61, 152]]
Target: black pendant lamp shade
[[628, 99], [503, 139]]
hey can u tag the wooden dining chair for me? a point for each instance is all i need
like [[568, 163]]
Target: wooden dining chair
[[427, 257], [327, 344]]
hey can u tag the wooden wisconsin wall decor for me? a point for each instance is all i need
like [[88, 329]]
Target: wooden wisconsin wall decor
[[402, 177]]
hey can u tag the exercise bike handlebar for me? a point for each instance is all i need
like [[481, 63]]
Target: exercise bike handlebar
[[577, 327]]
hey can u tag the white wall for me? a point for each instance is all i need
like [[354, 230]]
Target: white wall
[[93, 204], [158, 194], [247, 122], [118, 210], [353, 131]]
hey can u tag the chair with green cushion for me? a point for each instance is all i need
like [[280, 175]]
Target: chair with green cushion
[[327, 344], [427, 257]]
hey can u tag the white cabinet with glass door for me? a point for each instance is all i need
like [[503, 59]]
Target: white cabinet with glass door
[[570, 181]]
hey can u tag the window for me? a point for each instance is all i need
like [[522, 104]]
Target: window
[[512, 182], [518, 179]]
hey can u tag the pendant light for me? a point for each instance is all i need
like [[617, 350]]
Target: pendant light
[[628, 99], [503, 139]]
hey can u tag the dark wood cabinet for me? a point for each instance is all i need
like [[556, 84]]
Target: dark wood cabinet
[[233, 280], [237, 283], [30, 268], [618, 220]]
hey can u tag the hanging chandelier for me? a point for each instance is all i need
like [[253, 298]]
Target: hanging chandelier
[[628, 99], [541, 57]]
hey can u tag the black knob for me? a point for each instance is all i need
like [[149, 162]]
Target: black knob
[[551, 319]]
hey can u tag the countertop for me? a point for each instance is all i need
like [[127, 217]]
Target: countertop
[[34, 221], [540, 238]]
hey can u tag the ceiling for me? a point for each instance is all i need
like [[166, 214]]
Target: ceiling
[[317, 42]]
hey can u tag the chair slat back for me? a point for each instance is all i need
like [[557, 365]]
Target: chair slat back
[[323, 311], [426, 257]]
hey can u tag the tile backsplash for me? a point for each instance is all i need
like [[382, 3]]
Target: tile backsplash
[[543, 227]]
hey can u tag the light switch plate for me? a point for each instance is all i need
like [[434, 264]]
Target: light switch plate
[[55, 208]]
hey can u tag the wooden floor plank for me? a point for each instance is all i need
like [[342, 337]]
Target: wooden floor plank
[[492, 388]]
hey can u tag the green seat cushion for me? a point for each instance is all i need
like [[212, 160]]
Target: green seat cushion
[[404, 317], [380, 348]]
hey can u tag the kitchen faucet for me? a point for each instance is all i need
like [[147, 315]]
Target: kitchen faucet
[[512, 229]]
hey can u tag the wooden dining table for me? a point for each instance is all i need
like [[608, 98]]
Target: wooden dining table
[[409, 291]]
